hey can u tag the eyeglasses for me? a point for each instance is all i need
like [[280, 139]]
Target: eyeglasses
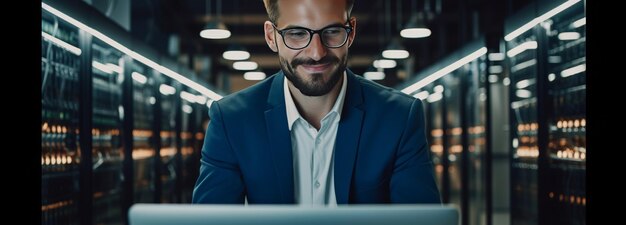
[[333, 36]]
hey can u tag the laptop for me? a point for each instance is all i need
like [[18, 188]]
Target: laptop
[[396, 214]]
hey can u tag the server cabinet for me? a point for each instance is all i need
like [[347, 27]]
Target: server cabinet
[[475, 75], [455, 105], [107, 119], [565, 37], [145, 83], [193, 104], [60, 153], [103, 109], [524, 124], [546, 65], [169, 152]]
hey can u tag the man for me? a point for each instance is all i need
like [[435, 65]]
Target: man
[[315, 133]]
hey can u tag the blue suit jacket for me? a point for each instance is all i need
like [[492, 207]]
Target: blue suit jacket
[[381, 154]]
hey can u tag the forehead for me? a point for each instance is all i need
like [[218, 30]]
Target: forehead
[[313, 14]]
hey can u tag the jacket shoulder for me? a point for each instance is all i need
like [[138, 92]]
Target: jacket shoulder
[[247, 100]]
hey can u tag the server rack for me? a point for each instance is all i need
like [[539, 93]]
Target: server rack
[[107, 145], [60, 131], [547, 111], [565, 36], [455, 106], [145, 94], [92, 177]]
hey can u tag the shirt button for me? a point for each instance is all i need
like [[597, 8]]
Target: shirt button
[[317, 184], [318, 141]]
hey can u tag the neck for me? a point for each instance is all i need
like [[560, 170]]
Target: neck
[[314, 108]]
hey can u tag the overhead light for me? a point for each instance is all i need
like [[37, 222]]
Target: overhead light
[[101, 67], [200, 99], [384, 63], [496, 56], [521, 48], [568, 36], [166, 89], [415, 28], [523, 65], [215, 30], [446, 70], [438, 89], [152, 64], [545, 16], [396, 54], [574, 70], [139, 77], [523, 93], [524, 83], [254, 75], [579, 23], [395, 51], [74, 50], [374, 75], [434, 97], [188, 96], [245, 65], [236, 52]]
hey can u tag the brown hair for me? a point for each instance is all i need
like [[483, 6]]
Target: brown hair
[[271, 6]]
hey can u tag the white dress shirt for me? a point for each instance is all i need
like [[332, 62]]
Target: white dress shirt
[[313, 151]]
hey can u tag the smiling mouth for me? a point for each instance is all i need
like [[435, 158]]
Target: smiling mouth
[[316, 68]]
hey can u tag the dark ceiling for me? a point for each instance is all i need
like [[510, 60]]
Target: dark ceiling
[[453, 22]]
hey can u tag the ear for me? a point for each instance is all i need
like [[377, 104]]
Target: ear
[[270, 36], [353, 33]]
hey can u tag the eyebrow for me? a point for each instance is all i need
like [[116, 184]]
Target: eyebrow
[[295, 26]]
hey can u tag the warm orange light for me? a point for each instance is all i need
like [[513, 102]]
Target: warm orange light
[[551, 194], [559, 124], [436, 148], [576, 123], [436, 132], [583, 122]]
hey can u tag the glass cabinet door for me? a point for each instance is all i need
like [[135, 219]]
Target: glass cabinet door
[[60, 154], [170, 105], [143, 152], [522, 63], [107, 118], [567, 148]]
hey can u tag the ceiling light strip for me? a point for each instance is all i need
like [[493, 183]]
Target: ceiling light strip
[[446, 70], [539, 19], [164, 70]]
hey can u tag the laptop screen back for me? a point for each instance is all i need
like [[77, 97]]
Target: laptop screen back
[[187, 214]]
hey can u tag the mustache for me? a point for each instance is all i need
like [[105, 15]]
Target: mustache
[[326, 59]]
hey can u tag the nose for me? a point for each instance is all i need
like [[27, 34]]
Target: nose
[[316, 50]]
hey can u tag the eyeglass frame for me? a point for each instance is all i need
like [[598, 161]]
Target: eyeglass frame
[[312, 32]]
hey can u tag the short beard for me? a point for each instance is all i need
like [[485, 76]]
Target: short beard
[[316, 87]]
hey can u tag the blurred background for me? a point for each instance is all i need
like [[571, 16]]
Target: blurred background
[[126, 87]]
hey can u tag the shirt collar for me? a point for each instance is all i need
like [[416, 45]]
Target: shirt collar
[[292, 111]]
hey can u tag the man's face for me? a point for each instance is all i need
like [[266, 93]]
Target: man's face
[[316, 69]]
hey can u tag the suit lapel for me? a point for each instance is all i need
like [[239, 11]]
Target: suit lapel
[[347, 141], [280, 139]]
